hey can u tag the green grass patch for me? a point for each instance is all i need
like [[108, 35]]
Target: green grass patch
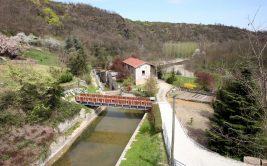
[[180, 49], [148, 150], [181, 80], [43, 57]]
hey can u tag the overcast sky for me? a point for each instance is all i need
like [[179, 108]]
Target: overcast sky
[[227, 12]]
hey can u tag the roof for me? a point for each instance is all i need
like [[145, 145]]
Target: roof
[[134, 62]]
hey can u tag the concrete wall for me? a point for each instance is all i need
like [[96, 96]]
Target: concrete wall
[[141, 78]]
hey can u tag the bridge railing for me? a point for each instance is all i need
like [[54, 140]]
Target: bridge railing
[[113, 100], [116, 97]]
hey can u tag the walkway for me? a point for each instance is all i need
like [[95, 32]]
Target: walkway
[[186, 151], [141, 103]]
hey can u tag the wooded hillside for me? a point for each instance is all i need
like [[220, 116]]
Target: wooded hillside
[[97, 27]]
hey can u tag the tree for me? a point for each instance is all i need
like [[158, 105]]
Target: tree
[[172, 78], [238, 121], [77, 57], [258, 45], [151, 86], [206, 80], [117, 65], [8, 47]]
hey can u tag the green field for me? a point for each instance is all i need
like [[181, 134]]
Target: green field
[[180, 49], [181, 80], [43, 57]]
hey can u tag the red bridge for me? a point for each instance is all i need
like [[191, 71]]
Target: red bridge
[[141, 103]]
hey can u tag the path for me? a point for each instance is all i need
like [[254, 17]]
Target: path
[[186, 151]]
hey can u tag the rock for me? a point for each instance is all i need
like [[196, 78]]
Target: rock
[[252, 160]]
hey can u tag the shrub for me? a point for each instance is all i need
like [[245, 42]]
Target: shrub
[[66, 77], [7, 99], [154, 118], [206, 80], [189, 86], [172, 78], [8, 47], [151, 86], [39, 113]]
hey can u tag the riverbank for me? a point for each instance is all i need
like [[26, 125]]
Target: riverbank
[[147, 148], [64, 142]]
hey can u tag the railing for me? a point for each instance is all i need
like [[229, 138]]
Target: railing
[[115, 101]]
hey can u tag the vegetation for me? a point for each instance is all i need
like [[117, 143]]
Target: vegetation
[[42, 57], [238, 121], [77, 61], [51, 17], [151, 87], [8, 47], [148, 150], [154, 118], [205, 80], [180, 49], [179, 80], [116, 35]]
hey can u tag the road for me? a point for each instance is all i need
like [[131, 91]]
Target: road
[[186, 151]]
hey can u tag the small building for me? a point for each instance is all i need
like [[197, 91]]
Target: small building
[[138, 69]]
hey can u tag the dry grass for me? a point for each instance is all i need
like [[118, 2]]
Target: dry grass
[[195, 118]]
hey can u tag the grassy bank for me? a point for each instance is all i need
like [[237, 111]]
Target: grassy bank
[[43, 57], [148, 149]]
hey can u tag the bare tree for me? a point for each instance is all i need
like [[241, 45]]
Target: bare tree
[[258, 44]]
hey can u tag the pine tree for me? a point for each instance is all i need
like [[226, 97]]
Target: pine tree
[[238, 123]]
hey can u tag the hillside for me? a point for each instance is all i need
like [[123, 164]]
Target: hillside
[[97, 27]]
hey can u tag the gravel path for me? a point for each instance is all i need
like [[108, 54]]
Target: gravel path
[[186, 151]]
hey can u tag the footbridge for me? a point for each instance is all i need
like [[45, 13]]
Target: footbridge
[[140, 103]]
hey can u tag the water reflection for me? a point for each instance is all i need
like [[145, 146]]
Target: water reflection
[[104, 140]]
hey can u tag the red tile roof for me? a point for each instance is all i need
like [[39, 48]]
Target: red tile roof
[[134, 62]]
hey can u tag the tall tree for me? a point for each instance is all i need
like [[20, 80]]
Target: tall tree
[[238, 121], [77, 57]]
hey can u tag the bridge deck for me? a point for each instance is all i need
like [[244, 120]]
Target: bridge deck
[[114, 101]]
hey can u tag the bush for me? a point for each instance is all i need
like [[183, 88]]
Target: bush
[[172, 78], [206, 80], [7, 99], [154, 118], [189, 86], [39, 113], [151, 86], [66, 77]]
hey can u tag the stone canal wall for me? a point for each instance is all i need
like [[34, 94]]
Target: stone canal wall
[[62, 143]]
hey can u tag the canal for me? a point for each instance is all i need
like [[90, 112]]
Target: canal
[[102, 143]]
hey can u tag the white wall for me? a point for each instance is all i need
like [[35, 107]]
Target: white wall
[[141, 78]]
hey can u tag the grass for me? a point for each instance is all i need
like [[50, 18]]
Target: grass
[[181, 80], [9, 83], [148, 150], [180, 49], [43, 57]]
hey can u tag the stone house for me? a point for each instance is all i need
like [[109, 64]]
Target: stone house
[[138, 69]]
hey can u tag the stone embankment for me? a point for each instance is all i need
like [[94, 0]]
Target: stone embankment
[[64, 141]]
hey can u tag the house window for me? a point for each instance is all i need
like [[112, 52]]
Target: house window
[[143, 72]]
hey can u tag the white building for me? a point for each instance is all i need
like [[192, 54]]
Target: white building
[[138, 69]]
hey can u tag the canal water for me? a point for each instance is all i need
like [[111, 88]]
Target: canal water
[[102, 143]]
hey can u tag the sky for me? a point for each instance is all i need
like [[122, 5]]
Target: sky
[[227, 12]]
